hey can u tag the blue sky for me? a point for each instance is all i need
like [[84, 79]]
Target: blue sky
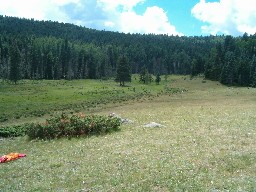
[[172, 17], [179, 14]]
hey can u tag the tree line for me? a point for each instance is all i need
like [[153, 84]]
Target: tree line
[[233, 62], [31, 49]]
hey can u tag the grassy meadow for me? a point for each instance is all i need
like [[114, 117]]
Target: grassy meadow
[[31, 99], [208, 142]]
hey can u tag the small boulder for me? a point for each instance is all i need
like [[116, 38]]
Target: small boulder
[[153, 125], [125, 121]]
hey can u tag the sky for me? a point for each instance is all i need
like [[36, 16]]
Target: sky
[[172, 17]]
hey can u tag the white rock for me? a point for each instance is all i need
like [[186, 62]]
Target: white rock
[[153, 125], [127, 121]]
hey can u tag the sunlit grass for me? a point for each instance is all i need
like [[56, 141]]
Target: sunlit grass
[[208, 144], [29, 99]]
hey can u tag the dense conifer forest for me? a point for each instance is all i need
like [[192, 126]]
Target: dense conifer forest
[[31, 49]]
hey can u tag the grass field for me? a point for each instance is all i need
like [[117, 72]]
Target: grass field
[[208, 144], [30, 99]]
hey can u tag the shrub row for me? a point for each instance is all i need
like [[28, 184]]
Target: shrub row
[[64, 126], [76, 125], [14, 131]]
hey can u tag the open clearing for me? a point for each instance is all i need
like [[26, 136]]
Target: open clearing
[[30, 99], [208, 144]]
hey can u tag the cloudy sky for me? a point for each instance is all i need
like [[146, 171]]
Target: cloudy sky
[[177, 17]]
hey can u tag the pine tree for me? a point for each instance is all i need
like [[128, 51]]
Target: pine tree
[[145, 76], [253, 80], [123, 70], [49, 66], [194, 70], [15, 60], [158, 79], [253, 71], [148, 78], [227, 73]]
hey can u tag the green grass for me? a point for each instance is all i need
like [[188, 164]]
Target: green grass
[[31, 99], [208, 144]]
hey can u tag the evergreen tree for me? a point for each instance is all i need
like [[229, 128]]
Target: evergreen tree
[[15, 60], [158, 79], [253, 71], [148, 78], [227, 73], [123, 70], [145, 76], [65, 57], [49, 66], [194, 67], [229, 44], [243, 70], [92, 65], [253, 80]]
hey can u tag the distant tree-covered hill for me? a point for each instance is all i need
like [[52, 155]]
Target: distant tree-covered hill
[[52, 50]]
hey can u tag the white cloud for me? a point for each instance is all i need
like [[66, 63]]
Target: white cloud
[[116, 15], [126, 5], [26, 9], [124, 18], [154, 20], [63, 2], [109, 24], [37, 9], [233, 17]]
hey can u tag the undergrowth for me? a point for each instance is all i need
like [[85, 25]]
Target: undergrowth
[[64, 126], [14, 131]]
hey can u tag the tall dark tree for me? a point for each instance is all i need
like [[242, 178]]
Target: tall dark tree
[[65, 57], [194, 67], [123, 73], [92, 65], [15, 60], [243, 70], [49, 66], [253, 71], [158, 79], [143, 73], [145, 76], [227, 73], [229, 44], [214, 64]]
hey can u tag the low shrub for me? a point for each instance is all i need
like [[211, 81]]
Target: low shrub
[[14, 131], [3, 118], [76, 125]]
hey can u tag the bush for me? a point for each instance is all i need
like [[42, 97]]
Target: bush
[[14, 131], [76, 125], [3, 118]]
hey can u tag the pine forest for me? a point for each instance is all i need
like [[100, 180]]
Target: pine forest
[[31, 49]]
